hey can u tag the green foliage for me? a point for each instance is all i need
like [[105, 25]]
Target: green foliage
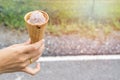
[[12, 11], [107, 29], [68, 16], [116, 24]]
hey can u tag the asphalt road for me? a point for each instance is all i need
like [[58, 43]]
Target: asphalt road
[[72, 70]]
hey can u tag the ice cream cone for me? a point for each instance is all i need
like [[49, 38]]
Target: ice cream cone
[[36, 31]]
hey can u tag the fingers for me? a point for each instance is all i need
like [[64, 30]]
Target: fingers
[[31, 70], [27, 49], [41, 49], [27, 62], [37, 52], [32, 47], [38, 44], [33, 56]]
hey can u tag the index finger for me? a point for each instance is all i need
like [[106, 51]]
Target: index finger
[[38, 44], [28, 48], [32, 47]]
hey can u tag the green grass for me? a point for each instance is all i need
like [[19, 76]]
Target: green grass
[[70, 16], [13, 11]]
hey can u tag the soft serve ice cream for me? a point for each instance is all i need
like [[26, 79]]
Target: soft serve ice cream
[[36, 17]]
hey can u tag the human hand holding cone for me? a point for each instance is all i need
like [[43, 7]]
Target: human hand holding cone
[[36, 28]]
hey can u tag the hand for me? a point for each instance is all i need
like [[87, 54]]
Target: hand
[[17, 57]]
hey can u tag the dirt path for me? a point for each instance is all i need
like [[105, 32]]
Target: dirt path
[[66, 44]]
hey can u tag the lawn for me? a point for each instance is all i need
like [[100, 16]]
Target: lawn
[[86, 17]]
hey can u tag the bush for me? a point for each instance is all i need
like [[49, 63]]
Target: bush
[[65, 17], [12, 12]]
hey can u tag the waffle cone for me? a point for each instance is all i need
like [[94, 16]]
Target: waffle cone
[[36, 31]]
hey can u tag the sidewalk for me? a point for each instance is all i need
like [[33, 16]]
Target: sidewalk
[[72, 70]]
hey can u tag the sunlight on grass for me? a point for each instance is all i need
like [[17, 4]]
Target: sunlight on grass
[[68, 17]]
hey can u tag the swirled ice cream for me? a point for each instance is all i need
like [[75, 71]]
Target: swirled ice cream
[[36, 17]]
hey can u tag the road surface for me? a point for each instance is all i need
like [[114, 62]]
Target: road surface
[[72, 70]]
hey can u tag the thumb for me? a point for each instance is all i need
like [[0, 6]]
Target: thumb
[[31, 70]]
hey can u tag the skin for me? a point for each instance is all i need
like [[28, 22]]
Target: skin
[[16, 58]]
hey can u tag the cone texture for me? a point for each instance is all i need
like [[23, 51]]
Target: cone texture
[[36, 31]]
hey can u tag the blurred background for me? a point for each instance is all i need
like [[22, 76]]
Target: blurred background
[[92, 19], [65, 17], [76, 27]]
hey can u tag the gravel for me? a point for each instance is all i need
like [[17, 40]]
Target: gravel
[[67, 44]]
